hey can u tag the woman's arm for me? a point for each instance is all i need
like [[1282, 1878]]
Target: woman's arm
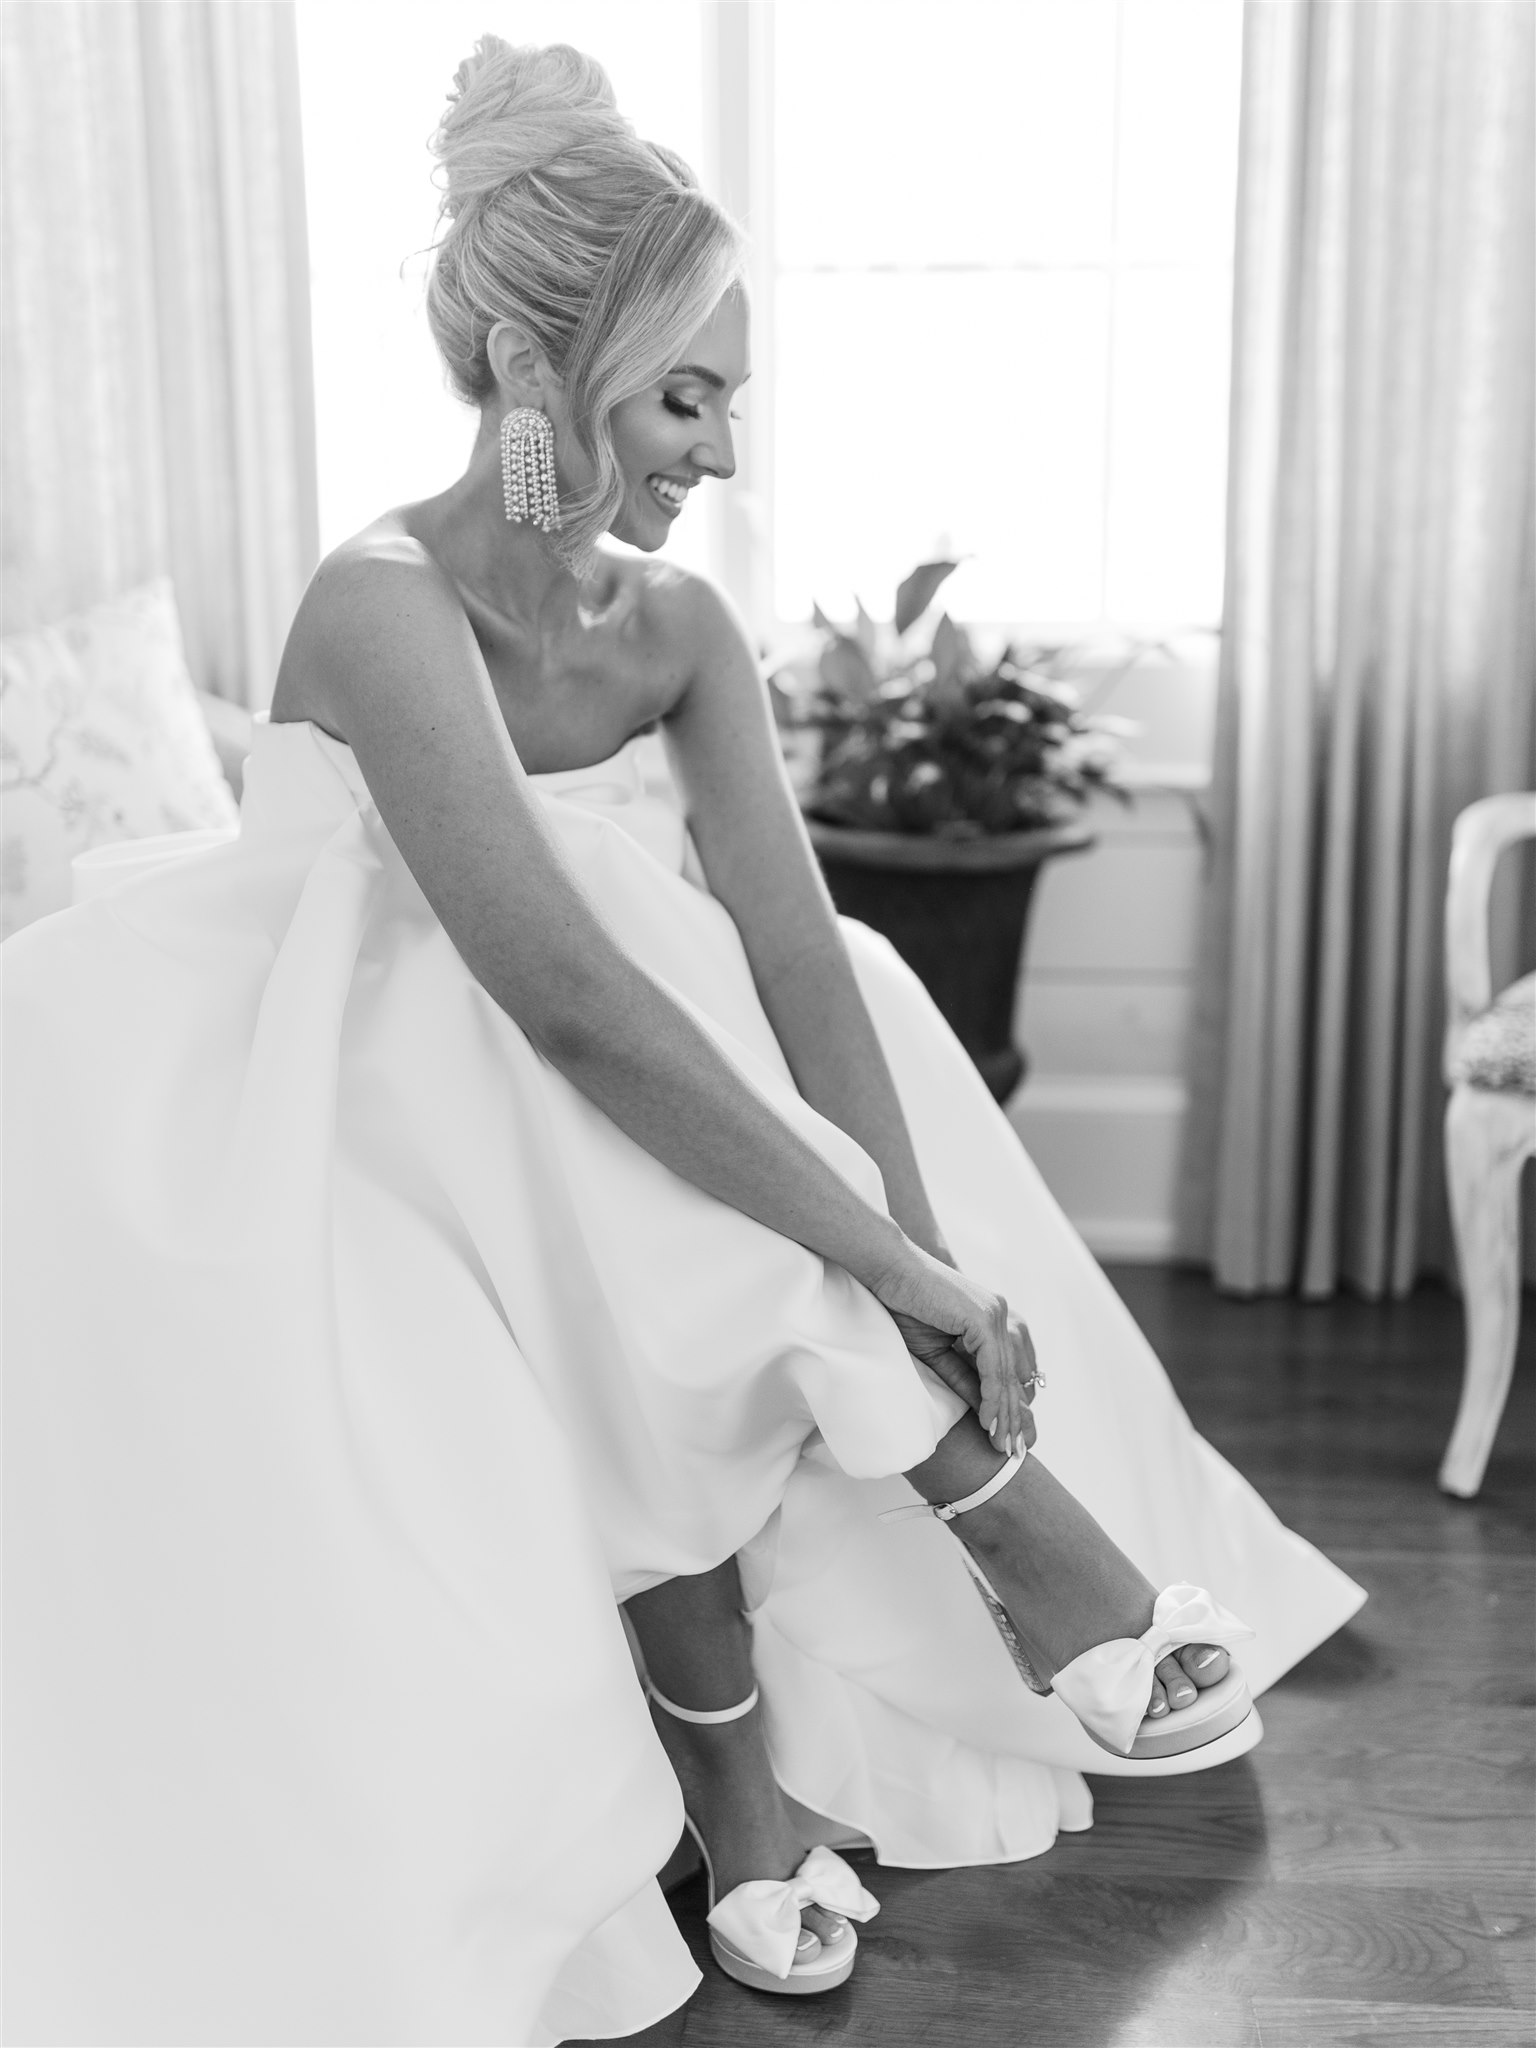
[[400, 674], [410, 690], [758, 861]]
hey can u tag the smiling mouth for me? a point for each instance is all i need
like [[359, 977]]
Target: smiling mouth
[[669, 491]]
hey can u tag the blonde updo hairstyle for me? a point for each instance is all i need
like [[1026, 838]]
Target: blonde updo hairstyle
[[599, 246]]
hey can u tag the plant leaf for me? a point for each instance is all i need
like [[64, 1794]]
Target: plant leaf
[[917, 591], [846, 669], [952, 654], [786, 709]]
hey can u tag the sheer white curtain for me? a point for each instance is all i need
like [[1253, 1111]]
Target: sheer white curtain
[[158, 407], [1379, 665]]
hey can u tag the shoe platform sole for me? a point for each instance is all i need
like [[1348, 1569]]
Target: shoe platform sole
[[1229, 1730], [803, 1981], [1216, 1711]]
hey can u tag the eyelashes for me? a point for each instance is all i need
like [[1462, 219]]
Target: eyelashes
[[684, 411]]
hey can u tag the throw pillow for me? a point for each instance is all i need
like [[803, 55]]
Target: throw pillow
[[101, 739]]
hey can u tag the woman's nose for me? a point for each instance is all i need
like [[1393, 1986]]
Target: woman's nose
[[717, 455]]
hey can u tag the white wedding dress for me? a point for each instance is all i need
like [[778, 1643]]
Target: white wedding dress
[[355, 1362]]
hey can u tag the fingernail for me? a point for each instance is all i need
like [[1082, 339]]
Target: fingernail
[[1157, 1707], [1206, 1657]]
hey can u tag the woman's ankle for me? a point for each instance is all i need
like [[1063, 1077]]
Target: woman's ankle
[[732, 1798], [1066, 1584], [963, 1460]]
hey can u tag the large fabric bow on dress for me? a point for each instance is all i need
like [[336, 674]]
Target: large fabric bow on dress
[[761, 1919], [1108, 1687]]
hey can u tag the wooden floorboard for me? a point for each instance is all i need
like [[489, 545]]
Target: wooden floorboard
[[1366, 1875], [1310, 2022]]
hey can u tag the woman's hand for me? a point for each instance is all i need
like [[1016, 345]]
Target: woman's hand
[[966, 1335]]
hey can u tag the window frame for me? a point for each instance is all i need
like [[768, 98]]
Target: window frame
[[739, 169]]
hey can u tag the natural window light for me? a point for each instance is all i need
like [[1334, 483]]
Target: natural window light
[[993, 259], [1002, 244], [375, 75]]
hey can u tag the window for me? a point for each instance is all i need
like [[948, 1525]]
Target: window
[[1001, 270], [993, 271]]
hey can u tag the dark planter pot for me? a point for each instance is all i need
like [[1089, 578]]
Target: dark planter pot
[[956, 911]]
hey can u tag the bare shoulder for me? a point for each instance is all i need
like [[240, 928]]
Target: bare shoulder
[[686, 613], [696, 629], [377, 598], [368, 580]]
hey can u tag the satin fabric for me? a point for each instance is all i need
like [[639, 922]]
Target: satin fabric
[[761, 1918], [355, 1363], [1108, 1686]]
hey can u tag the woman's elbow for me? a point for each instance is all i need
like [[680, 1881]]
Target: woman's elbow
[[565, 1037], [565, 1013]]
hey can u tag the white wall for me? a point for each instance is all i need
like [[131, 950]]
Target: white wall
[[1108, 986]]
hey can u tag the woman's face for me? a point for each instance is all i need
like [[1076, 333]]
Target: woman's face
[[677, 432]]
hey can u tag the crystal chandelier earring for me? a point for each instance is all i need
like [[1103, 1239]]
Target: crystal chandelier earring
[[528, 468]]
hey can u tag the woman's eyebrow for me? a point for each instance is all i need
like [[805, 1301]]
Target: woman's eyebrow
[[710, 377]]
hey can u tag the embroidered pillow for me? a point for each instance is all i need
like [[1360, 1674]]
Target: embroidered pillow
[[101, 739]]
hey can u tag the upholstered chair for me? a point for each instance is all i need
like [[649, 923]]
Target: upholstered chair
[[1490, 1128]]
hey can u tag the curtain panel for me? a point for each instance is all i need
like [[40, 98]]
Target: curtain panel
[[158, 409], [1379, 653]]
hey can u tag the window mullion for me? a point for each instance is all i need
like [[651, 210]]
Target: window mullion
[[1112, 309], [738, 74]]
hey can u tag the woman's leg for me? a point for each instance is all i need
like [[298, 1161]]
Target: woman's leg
[[1065, 1584], [698, 1653]]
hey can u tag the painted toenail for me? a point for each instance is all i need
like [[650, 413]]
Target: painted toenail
[[1207, 1657], [1158, 1707], [1182, 1695]]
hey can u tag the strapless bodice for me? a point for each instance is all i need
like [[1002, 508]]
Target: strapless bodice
[[297, 771]]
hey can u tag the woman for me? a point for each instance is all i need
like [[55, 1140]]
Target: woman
[[447, 1207]]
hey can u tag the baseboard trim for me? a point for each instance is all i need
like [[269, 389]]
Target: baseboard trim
[[1101, 1095], [1132, 1240]]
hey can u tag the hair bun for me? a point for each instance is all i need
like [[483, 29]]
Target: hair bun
[[516, 110]]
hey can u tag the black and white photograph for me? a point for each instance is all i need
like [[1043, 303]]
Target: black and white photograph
[[768, 892]]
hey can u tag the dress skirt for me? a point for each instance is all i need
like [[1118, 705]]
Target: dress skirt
[[356, 1365]]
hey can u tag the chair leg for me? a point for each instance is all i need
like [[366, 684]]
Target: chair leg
[[1488, 1137]]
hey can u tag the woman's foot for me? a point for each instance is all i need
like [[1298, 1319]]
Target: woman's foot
[[697, 1651], [735, 1803], [1065, 1585]]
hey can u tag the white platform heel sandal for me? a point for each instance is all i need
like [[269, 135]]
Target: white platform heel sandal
[[1108, 1687], [755, 1932]]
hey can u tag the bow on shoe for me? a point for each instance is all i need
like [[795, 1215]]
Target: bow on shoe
[[761, 1919], [1108, 1687]]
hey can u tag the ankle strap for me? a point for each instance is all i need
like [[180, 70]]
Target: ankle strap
[[946, 1511], [700, 1720]]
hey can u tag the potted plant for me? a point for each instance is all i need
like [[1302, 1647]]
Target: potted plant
[[935, 785]]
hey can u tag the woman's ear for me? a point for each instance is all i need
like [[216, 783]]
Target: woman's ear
[[523, 377]]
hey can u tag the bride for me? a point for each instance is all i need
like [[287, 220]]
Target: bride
[[493, 1185]]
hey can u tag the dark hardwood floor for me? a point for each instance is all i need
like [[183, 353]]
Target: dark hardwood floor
[[1366, 1875]]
